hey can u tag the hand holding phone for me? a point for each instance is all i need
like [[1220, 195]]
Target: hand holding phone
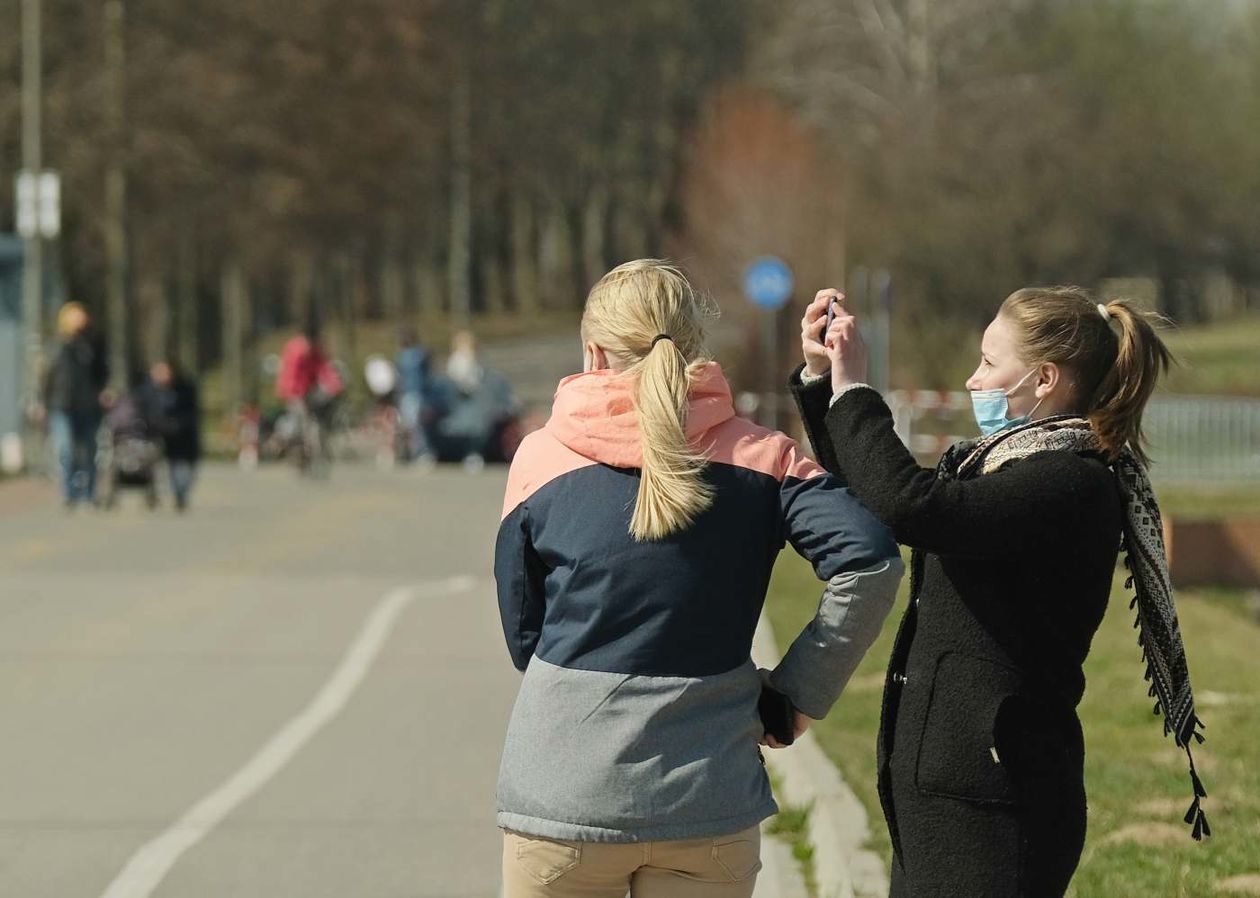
[[831, 316]]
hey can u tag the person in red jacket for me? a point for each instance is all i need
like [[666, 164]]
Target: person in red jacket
[[308, 382]]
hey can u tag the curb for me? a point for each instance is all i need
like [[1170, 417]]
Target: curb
[[838, 825], [780, 877]]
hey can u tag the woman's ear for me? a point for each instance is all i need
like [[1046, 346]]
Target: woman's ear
[[594, 357], [1049, 380]]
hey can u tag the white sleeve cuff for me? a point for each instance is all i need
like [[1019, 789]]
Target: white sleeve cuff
[[848, 389], [808, 379]]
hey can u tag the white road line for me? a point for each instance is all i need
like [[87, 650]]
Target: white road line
[[149, 865]]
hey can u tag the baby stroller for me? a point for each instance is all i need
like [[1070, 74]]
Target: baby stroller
[[133, 452]]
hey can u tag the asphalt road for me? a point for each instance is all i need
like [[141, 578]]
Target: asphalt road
[[298, 689]]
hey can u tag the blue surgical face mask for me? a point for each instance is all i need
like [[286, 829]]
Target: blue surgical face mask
[[990, 407]]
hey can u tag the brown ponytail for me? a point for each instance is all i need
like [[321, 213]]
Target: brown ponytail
[[1120, 399], [1111, 353]]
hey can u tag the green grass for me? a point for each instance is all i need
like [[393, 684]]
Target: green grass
[[1217, 358], [1206, 501], [1136, 779], [791, 825]]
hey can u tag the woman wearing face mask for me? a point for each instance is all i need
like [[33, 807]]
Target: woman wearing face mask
[[1014, 539], [639, 530]]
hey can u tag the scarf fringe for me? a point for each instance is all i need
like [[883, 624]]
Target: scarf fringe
[[1195, 817]]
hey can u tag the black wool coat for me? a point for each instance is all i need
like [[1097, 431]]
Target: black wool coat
[[980, 749], [76, 377], [174, 413]]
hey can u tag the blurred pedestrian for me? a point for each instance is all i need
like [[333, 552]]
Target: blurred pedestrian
[[463, 366], [640, 527], [412, 363], [308, 383], [75, 393], [173, 409], [135, 448], [1015, 538]]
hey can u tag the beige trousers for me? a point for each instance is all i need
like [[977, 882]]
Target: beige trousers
[[724, 867]]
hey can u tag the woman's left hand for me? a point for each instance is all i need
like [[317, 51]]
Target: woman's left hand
[[847, 350]]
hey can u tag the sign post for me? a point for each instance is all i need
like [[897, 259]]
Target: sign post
[[28, 212], [768, 285]]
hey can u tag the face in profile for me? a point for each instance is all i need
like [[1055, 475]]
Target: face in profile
[[1001, 368]]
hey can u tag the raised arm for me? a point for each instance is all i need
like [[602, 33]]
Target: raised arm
[[1034, 501]]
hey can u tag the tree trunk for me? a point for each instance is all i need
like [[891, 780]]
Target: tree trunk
[[344, 287], [116, 198], [556, 260], [393, 285], [459, 261], [251, 365], [630, 233], [524, 258], [594, 251], [187, 341], [492, 283], [155, 311], [428, 285], [232, 296], [301, 303]]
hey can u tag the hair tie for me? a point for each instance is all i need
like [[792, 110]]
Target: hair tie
[[1104, 311], [659, 337]]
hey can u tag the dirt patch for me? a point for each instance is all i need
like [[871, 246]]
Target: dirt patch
[[1247, 884], [1163, 807], [1172, 759], [1148, 833]]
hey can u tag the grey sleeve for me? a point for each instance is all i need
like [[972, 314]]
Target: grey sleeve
[[820, 661]]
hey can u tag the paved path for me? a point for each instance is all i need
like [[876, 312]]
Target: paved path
[[298, 689]]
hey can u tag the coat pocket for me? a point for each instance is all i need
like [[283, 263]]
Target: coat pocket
[[959, 754]]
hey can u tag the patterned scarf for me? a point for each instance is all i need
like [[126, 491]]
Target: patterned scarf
[[1159, 633]]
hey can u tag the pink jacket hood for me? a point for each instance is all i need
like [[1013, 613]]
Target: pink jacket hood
[[594, 414]]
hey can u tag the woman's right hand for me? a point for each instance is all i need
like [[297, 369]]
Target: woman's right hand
[[800, 723], [817, 362]]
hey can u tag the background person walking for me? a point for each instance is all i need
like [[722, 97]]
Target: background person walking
[[412, 363], [173, 409], [74, 397]]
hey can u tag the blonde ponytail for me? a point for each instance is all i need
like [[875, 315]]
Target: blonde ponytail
[[647, 315], [672, 492]]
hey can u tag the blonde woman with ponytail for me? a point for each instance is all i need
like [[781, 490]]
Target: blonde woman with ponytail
[[639, 530], [1015, 538]]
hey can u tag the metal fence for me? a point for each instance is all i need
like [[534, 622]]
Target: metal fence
[[1193, 439], [1204, 438]]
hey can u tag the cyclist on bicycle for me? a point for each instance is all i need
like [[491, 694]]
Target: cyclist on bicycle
[[308, 382]]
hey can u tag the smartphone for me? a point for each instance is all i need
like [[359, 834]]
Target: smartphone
[[831, 316], [778, 716]]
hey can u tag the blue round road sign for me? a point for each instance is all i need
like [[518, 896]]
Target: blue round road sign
[[768, 282]]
